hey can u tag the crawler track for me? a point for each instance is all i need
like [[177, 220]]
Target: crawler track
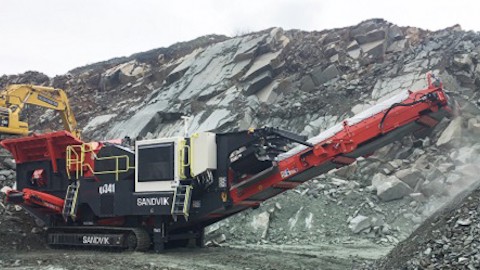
[[99, 236]]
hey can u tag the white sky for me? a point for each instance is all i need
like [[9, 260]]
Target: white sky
[[54, 36]]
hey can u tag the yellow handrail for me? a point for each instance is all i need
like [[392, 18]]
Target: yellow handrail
[[181, 165], [78, 161]]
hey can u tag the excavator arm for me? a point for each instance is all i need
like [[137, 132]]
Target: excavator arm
[[14, 98]]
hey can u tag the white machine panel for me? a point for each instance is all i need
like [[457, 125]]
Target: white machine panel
[[157, 164], [204, 153]]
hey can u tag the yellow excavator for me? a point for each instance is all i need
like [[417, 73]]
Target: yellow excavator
[[15, 97]]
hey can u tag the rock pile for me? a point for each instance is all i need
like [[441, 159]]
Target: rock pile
[[382, 198], [7, 170], [449, 239], [18, 231]]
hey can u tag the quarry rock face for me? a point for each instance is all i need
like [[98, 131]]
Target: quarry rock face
[[296, 80]]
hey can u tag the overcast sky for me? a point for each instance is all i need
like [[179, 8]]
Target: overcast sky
[[54, 36]]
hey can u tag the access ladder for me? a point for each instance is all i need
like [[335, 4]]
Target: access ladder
[[181, 201], [70, 204]]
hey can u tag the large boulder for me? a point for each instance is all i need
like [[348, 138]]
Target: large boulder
[[390, 188], [260, 224], [374, 35], [452, 133], [320, 76], [433, 187], [123, 74], [410, 176], [359, 223]]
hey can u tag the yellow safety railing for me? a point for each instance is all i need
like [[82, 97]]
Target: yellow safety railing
[[190, 154], [73, 158], [76, 159], [184, 147]]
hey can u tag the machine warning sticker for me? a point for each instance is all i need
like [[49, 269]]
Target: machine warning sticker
[[286, 173]]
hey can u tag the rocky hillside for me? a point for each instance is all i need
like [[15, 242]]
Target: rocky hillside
[[303, 82]]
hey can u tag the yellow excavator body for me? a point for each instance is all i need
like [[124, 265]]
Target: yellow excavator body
[[14, 98]]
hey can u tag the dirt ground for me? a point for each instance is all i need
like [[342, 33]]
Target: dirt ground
[[253, 256]]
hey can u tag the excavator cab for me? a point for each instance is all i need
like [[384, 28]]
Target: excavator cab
[[11, 124]]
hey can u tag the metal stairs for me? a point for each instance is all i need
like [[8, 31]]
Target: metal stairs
[[70, 204], [181, 201]]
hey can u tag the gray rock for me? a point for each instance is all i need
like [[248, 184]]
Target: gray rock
[[474, 126], [452, 133], [352, 46], [215, 120], [6, 173], [182, 65], [269, 93], [123, 74], [390, 188], [395, 32], [359, 108], [464, 222], [347, 171], [472, 121], [463, 61], [307, 84], [322, 76], [260, 224], [446, 167], [264, 62], [434, 175], [359, 223], [374, 49], [398, 46], [374, 35], [10, 163], [330, 50], [386, 87], [258, 83], [355, 54], [36, 230], [209, 230], [98, 121], [434, 187], [409, 176], [221, 238]]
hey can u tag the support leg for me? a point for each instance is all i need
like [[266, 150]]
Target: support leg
[[159, 235], [200, 239]]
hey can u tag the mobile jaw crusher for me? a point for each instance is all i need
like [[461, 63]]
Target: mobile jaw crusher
[[167, 190]]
